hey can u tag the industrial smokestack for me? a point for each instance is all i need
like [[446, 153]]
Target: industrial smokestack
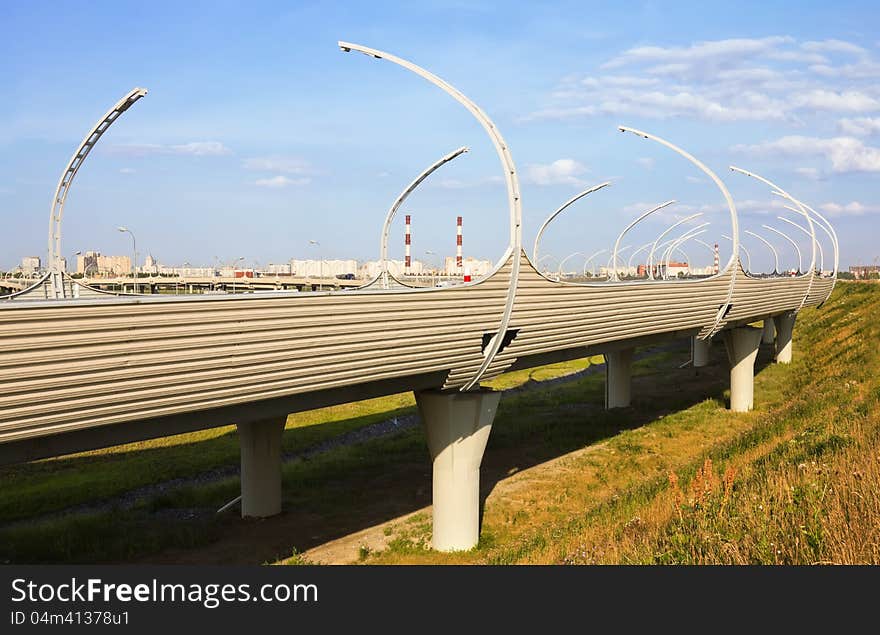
[[458, 246], [407, 263]]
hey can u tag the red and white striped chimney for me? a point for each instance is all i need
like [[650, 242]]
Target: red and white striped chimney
[[716, 258], [407, 263], [458, 245]]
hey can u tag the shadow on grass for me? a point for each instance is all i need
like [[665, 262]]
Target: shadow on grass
[[354, 487]]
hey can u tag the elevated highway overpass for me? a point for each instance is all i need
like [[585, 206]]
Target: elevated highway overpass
[[87, 372]]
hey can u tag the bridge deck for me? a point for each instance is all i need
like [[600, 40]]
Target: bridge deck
[[72, 365]]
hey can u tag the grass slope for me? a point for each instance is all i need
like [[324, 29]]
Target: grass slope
[[677, 478]]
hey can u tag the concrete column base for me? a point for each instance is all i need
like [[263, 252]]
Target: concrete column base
[[742, 350], [457, 427], [784, 327], [261, 467], [700, 352], [769, 332], [618, 378]]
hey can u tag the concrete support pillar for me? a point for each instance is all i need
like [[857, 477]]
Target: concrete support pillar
[[769, 332], [261, 467], [700, 351], [457, 427], [618, 378], [784, 328], [742, 350]]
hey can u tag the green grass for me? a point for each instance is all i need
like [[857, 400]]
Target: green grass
[[45, 486], [606, 498]]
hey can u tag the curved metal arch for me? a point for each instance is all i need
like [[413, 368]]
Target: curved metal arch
[[772, 248], [706, 245], [806, 215], [683, 253], [565, 205], [612, 263], [660, 237], [734, 221], [790, 240], [629, 227], [629, 261], [56, 212], [40, 281], [563, 261], [743, 249], [832, 233], [386, 226], [807, 231], [667, 255], [588, 260], [542, 258], [513, 194]]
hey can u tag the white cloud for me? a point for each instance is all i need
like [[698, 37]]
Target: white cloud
[[560, 172], [741, 79], [618, 80], [646, 162], [848, 101], [126, 170], [846, 154], [192, 148], [285, 165], [834, 46], [813, 174], [797, 56], [657, 104], [201, 148], [863, 69], [714, 51], [693, 179], [281, 181], [860, 126], [853, 208]]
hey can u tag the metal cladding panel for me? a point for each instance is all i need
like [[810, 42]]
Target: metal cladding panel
[[756, 297], [551, 315], [73, 364], [820, 291]]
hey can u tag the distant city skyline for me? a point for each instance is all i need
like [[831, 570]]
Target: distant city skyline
[[258, 135]]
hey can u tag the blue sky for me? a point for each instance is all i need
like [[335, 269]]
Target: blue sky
[[258, 135]]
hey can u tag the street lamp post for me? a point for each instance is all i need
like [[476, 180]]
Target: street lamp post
[[124, 229], [542, 259], [237, 260], [826, 226], [635, 253], [770, 246], [744, 250], [676, 245], [73, 257], [687, 233], [657, 240], [558, 211], [807, 232], [793, 244], [428, 252], [590, 259], [563, 261], [315, 243], [629, 227]]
